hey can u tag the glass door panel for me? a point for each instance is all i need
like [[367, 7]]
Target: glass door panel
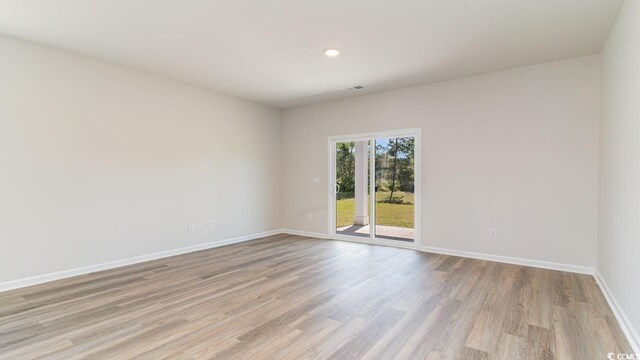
[[352, 178], [394, 188]]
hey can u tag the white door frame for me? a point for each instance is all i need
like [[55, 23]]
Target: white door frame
[[331, 145]]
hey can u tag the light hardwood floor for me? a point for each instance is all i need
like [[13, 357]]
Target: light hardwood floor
[[290, 297]]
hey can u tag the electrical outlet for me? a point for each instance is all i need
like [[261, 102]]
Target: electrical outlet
[[493, 232], [316, 180], [192, 227], [309, 216], [210, 224]]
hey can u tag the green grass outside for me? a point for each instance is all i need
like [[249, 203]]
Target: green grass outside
[[397, 213]]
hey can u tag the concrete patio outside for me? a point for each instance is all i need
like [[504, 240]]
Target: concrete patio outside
[[385, 232]]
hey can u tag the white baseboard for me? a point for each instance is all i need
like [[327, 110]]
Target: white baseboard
[[628, 329], [305, 233], [511, 260], [39, 279], [475, 255]]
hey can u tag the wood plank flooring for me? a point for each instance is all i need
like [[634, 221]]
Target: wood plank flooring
[[291, 297]]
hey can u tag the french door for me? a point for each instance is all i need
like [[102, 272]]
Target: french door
[[374, 192]]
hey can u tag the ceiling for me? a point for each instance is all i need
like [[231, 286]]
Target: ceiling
[[270, 51]]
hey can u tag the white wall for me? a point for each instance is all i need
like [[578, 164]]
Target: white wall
[[516, 150], [619, 215], [100, 163]]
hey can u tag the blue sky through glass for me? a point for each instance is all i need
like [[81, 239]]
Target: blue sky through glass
[[382, 141]]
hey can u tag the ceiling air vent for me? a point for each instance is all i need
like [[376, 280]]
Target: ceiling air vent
[[356, 88]]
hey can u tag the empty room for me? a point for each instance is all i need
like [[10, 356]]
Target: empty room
[[296, 179]]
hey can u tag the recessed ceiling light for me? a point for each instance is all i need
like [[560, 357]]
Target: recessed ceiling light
[[331, 52]]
